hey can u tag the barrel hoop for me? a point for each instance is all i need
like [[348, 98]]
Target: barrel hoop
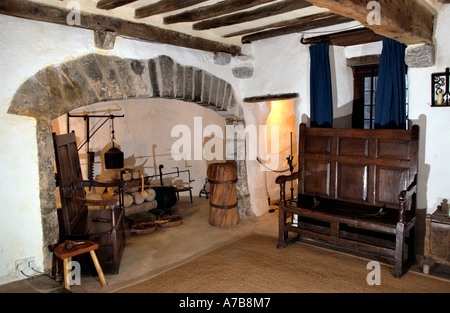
[[224, 207], [222, 182]]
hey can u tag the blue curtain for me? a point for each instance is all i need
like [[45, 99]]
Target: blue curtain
[[390, 103], [320, 89]]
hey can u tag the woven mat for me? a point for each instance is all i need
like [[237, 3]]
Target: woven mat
[[254, 265]]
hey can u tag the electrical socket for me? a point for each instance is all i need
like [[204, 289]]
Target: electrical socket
[[23, 264]]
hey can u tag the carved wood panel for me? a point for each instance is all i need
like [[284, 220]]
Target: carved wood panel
[[369, 167]]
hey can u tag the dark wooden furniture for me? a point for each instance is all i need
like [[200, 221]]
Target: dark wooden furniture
[[437, 239], [65, 253], [356, 189], [103, 226]]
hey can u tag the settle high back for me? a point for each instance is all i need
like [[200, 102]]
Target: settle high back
[[356, 188], [361, 166], [103, 226]]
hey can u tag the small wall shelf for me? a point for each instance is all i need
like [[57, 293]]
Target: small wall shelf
[[440, 96]]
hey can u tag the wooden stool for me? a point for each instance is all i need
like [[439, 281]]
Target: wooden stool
[[79, 247]]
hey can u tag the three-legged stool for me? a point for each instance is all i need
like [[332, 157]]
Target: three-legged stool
[[77, 247]]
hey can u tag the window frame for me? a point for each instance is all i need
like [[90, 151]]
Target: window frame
[[359, 74]]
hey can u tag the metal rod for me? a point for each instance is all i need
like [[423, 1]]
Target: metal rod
[[90, 136], [86, 117], [160, 174], [170, 173], [447, 91], [89, 115]]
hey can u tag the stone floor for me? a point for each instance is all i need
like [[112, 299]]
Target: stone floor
[[146, 256]]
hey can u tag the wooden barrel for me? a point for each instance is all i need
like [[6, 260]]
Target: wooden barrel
[[222, 178]]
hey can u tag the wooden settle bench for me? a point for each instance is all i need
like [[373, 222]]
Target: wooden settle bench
[[356, 189]]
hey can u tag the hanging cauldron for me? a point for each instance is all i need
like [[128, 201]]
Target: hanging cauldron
[[113, 158]]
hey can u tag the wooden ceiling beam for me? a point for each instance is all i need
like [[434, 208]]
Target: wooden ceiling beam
[[345, 38], [302, 25], [57, 15], [112, 4], [272, 97], [407, 21], [213, 10], [280, 24], [247, 16], [164, 6]]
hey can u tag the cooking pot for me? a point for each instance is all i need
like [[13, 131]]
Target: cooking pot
[[113, 158]]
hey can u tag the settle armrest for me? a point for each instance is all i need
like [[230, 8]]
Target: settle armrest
[[280, 180], [405, 195], [405, 199], [93, 202], [113, 203], [93, 183]]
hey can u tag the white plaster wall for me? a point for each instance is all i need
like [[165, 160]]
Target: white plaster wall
[[281, 66], [373, 48], [256, 114], [33, 46], [434, 171], [20, 222], [342, 86]]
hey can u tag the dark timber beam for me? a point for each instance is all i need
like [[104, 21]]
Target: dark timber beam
[[345, 38], [303, 24], [285, 96], [247, 16], [112, 4], [164, 6], [407, 21], [46, 13], [281, 24], [213, 10]]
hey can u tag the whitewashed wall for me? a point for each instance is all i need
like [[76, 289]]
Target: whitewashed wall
[[434, 174]]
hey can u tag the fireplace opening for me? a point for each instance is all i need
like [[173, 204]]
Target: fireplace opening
[[146, 133]]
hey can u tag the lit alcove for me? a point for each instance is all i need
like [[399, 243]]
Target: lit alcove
[[281, 146]]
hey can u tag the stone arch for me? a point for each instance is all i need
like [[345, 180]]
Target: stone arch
[[93, 78], [57, 90]]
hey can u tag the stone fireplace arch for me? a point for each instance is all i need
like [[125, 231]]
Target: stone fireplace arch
[[92, 78]]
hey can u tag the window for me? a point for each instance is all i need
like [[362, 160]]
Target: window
[[365, 80], [365, 87]]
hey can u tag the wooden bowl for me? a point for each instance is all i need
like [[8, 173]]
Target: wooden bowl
[[144, 228], [169, 221]]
